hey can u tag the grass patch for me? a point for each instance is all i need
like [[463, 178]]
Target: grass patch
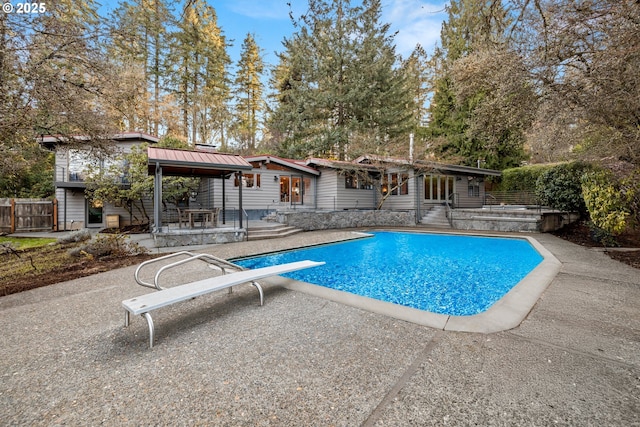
[[27, 242]]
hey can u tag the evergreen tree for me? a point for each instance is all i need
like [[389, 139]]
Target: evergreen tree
[[417, 74], [248, 94], [339, 90], [138, 48], [471, 27], [199, 74]]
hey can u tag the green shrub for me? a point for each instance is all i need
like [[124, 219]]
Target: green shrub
[[607, 200], [523, 178], [560, 187]]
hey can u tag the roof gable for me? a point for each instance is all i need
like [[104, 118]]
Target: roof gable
[[299, 165]]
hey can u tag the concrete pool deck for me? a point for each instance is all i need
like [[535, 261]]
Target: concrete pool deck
[[302, 360]]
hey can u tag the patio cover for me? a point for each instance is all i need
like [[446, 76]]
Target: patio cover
[[172, 162]]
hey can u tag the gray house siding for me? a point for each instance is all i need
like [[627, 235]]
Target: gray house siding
[[259, 201], [398, 201], [327, 189], [332, 194], [71, 209], [69, 178]]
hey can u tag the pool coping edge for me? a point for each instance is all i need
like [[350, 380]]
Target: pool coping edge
[[507, 313]]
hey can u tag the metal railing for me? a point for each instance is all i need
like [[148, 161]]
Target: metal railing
[[511, 198], [450, 206], [212, 261]]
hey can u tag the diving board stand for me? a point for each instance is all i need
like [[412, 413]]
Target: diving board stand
[[144, 304]]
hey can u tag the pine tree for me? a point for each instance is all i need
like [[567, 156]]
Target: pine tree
[[199, 74], [417, 75], [248, 94], [339, 89], [137, 48]]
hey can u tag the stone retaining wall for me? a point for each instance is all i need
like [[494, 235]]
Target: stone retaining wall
[[324, 220], [511, 220], [183, 237]]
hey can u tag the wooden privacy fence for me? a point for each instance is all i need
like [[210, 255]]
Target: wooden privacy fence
[[28, 215]]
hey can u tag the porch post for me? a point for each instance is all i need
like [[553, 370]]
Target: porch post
[[240, 196], [157, 199], [224, 199]]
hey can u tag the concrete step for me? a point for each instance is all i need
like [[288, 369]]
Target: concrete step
[[436, 217], [260, 233]]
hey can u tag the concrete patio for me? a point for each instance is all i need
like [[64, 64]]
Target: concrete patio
[[66, 358]]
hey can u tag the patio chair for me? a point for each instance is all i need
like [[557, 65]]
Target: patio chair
[[182, 217]]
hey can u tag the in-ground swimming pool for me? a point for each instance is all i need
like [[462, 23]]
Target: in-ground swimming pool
[[446, 274]]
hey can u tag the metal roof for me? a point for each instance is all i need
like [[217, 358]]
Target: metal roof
[[51, 141], [194, 163]]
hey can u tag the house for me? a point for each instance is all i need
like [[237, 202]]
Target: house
[[75, 209], [272, 183], [366, 183], [371, 182]]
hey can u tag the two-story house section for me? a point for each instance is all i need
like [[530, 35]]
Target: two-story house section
[[73, 160]]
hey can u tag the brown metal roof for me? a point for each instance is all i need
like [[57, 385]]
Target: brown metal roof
[[194, 163]]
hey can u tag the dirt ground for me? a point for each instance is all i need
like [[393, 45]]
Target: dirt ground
[[34, 276], [73, 268], [580, 234]]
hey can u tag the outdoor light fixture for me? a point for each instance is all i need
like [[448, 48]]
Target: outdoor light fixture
[[275, 178]]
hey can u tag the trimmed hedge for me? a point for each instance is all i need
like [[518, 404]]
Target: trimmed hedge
[[523, 178]]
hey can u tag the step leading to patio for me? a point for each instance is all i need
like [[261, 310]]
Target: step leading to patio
[[436, 218], [271, 232]]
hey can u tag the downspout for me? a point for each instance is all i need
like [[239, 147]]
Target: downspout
[[417, 185], [65, 209]]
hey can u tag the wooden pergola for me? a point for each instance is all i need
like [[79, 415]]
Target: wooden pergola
[[172, 162]]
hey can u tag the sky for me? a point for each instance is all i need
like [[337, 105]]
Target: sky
[[416, 21]]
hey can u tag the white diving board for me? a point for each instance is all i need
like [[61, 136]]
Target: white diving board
[[144, 304]]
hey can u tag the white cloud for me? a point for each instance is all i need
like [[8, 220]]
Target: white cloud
[[417, 22]]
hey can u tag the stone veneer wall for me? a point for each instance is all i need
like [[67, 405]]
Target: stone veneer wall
[[324, 220], [173, 238], [527, 220]]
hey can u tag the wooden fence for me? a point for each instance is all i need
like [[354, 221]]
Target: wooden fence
[[17, 215]]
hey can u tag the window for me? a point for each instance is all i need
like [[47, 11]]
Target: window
[[249, 180], [474, 187], [77, 163], [356, 182], [438, 187], [394, 184], [404, 184], [397, 183]]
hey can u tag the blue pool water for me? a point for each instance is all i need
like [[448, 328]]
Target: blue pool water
[[446, 274]]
